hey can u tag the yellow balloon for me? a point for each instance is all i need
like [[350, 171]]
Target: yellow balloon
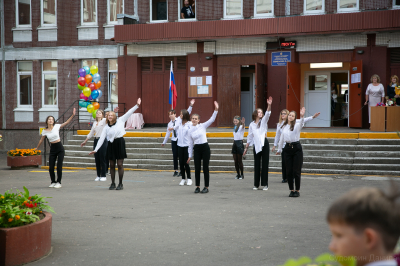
[[90, 108], [87, 91], [94, 69]]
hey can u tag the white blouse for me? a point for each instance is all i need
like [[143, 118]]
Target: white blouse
[[239, 134], [97, 128], [115, 131], [54, 134], [256, 134], [375, 91], [279, 129], [182, 130], [289, 136], [197, 134], [171, 125]]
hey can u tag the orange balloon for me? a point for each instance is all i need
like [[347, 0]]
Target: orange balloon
[[96, 105], [98, 85], [88, 78]]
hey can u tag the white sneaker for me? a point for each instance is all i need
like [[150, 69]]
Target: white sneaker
[[52, 184], [255, 188], [189, 182], [183, 181], [103, 178], [97, 179], [58, 185], [265, 188]]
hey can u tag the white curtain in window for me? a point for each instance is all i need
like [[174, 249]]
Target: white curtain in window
[[314, 5], [233, 7], [89, 10], [116, 7], [347, 3], [264, 6]]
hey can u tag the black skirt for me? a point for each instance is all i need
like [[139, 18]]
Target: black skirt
[[116, 149], [237, 147]]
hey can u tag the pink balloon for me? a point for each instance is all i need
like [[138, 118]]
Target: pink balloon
[[83, 97]]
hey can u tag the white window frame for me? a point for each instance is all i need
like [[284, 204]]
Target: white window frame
[[344, 10], [233, 16], [264, 15], [42, 14], [19, 105], [109, 86], [151, 14], [186, 19], [49, 106], [17, 16], [314, 12], [89, 23], [395, 6], [109, 22]]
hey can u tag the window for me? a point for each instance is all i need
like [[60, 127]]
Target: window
[[49, 13], [90, 62], [114, 7], [396, 3], [187, 10], [49, 81], [158, 10], [23, 10], [113, 79], [233, 8], [25, 84], [314, 7], [89, 12], [347, 5], [263, 8]]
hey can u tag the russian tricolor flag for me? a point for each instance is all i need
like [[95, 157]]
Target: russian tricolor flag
[[172, 89]]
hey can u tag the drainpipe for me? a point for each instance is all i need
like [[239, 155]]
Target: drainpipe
[[3, 67]]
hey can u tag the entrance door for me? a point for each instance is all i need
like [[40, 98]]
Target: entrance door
[[293, 87], [317, 98], [260, 86], [246, 97], [355, 95]]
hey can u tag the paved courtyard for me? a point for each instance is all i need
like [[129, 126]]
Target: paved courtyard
[[153, 221]]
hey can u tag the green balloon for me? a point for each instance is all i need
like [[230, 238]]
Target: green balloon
[[80, 87], [94, 114]]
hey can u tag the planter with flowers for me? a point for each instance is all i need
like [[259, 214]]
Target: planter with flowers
[[322, 260], [25, 227], [24, 158]]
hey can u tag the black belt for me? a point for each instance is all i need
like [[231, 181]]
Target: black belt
[[293, 143], [96, 138]]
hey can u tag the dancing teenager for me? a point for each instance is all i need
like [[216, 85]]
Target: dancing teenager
[[174, 139], [282, 119], [116, 149], [293, 151], [237, 147], [198, 143], [258, 137], [57, 152]]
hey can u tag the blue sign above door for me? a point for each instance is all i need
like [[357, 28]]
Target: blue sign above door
[[280, 58]]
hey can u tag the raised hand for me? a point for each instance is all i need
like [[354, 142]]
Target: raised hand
[[116, 109], [243, 120], [302, 112], [316, 115], [139, 101], [269, 101], [216, 106], [192, 102]]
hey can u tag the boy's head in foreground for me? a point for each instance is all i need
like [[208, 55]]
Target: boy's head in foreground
[[365, 223]]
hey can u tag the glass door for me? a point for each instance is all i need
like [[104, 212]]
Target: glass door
[[317, 98]]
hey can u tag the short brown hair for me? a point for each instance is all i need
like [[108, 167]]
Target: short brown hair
[[255, 114], [378, 79], [172, 111], [370, 207], [198, 116]]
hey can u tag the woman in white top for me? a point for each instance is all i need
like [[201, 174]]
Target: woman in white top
[[237, 147], [116, 150], [258, 136], [293, 151], [52, 132], [282, 119], [198, 143], [375, 94], [100, 156]]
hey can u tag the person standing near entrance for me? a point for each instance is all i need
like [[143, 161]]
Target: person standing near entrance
[[391, 89], [375, 94], [187, 10], [333, 101], [258, 137]]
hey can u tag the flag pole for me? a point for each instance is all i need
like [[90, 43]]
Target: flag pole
[[172, 100]]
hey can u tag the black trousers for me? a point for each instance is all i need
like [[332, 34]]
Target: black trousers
[[283, 165], [202, 152], [294, 163], [261, 159], [100, 158], [174, 145], [56, 150], [183, 157]]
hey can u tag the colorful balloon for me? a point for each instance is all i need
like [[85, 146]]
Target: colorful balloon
[[90, 98], [95, 94], [94, 113], [90, 108], [96, 105], [88, 79], [94, 69], [80, 87], [87, 69], [82, 72], [92, 86], [83, 103], [100, 93], [98, 85], [96, 78], [82, 96], [81, 81], [86, 92]]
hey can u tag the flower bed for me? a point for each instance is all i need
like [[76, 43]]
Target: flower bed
[[24, 158]]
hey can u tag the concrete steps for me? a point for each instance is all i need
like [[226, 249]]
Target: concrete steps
[[323, 156]]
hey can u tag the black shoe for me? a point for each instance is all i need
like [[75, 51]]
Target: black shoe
[[284, 180], [296, 194], [120, 186], [241, 177], [205, 190], [180, 174], [197, 190], [291, 194], [112, 186], [237, 176], [175, 173]]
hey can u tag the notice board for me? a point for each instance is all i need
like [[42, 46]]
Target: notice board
[[200, 87]]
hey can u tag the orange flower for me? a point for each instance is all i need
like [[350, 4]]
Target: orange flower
[[10, 220], [3, 211], [17, 217]]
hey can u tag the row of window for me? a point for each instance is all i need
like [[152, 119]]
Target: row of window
[[50, 83]]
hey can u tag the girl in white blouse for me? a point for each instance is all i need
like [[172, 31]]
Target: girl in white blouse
[[52, 132], [293, 151], [116, 150], [258, 137], [198, 143], [237, 147]]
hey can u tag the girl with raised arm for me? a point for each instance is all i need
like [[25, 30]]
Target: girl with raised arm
[[116, 149], [237, 147], [57, 152], [258, 136], [198, 143], [293, 151]]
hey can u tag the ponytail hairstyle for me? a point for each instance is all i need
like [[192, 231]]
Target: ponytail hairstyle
[[292, 123], [280, 115], [185, 115], [240, 123]]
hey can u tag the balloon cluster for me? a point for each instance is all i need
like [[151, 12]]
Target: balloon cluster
[[89, 84]]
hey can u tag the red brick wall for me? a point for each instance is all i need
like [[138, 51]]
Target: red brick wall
[[248, 8], [296, 7], [330, 6], [210, 9], [374, 4], [1, 91], [279, 8]]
